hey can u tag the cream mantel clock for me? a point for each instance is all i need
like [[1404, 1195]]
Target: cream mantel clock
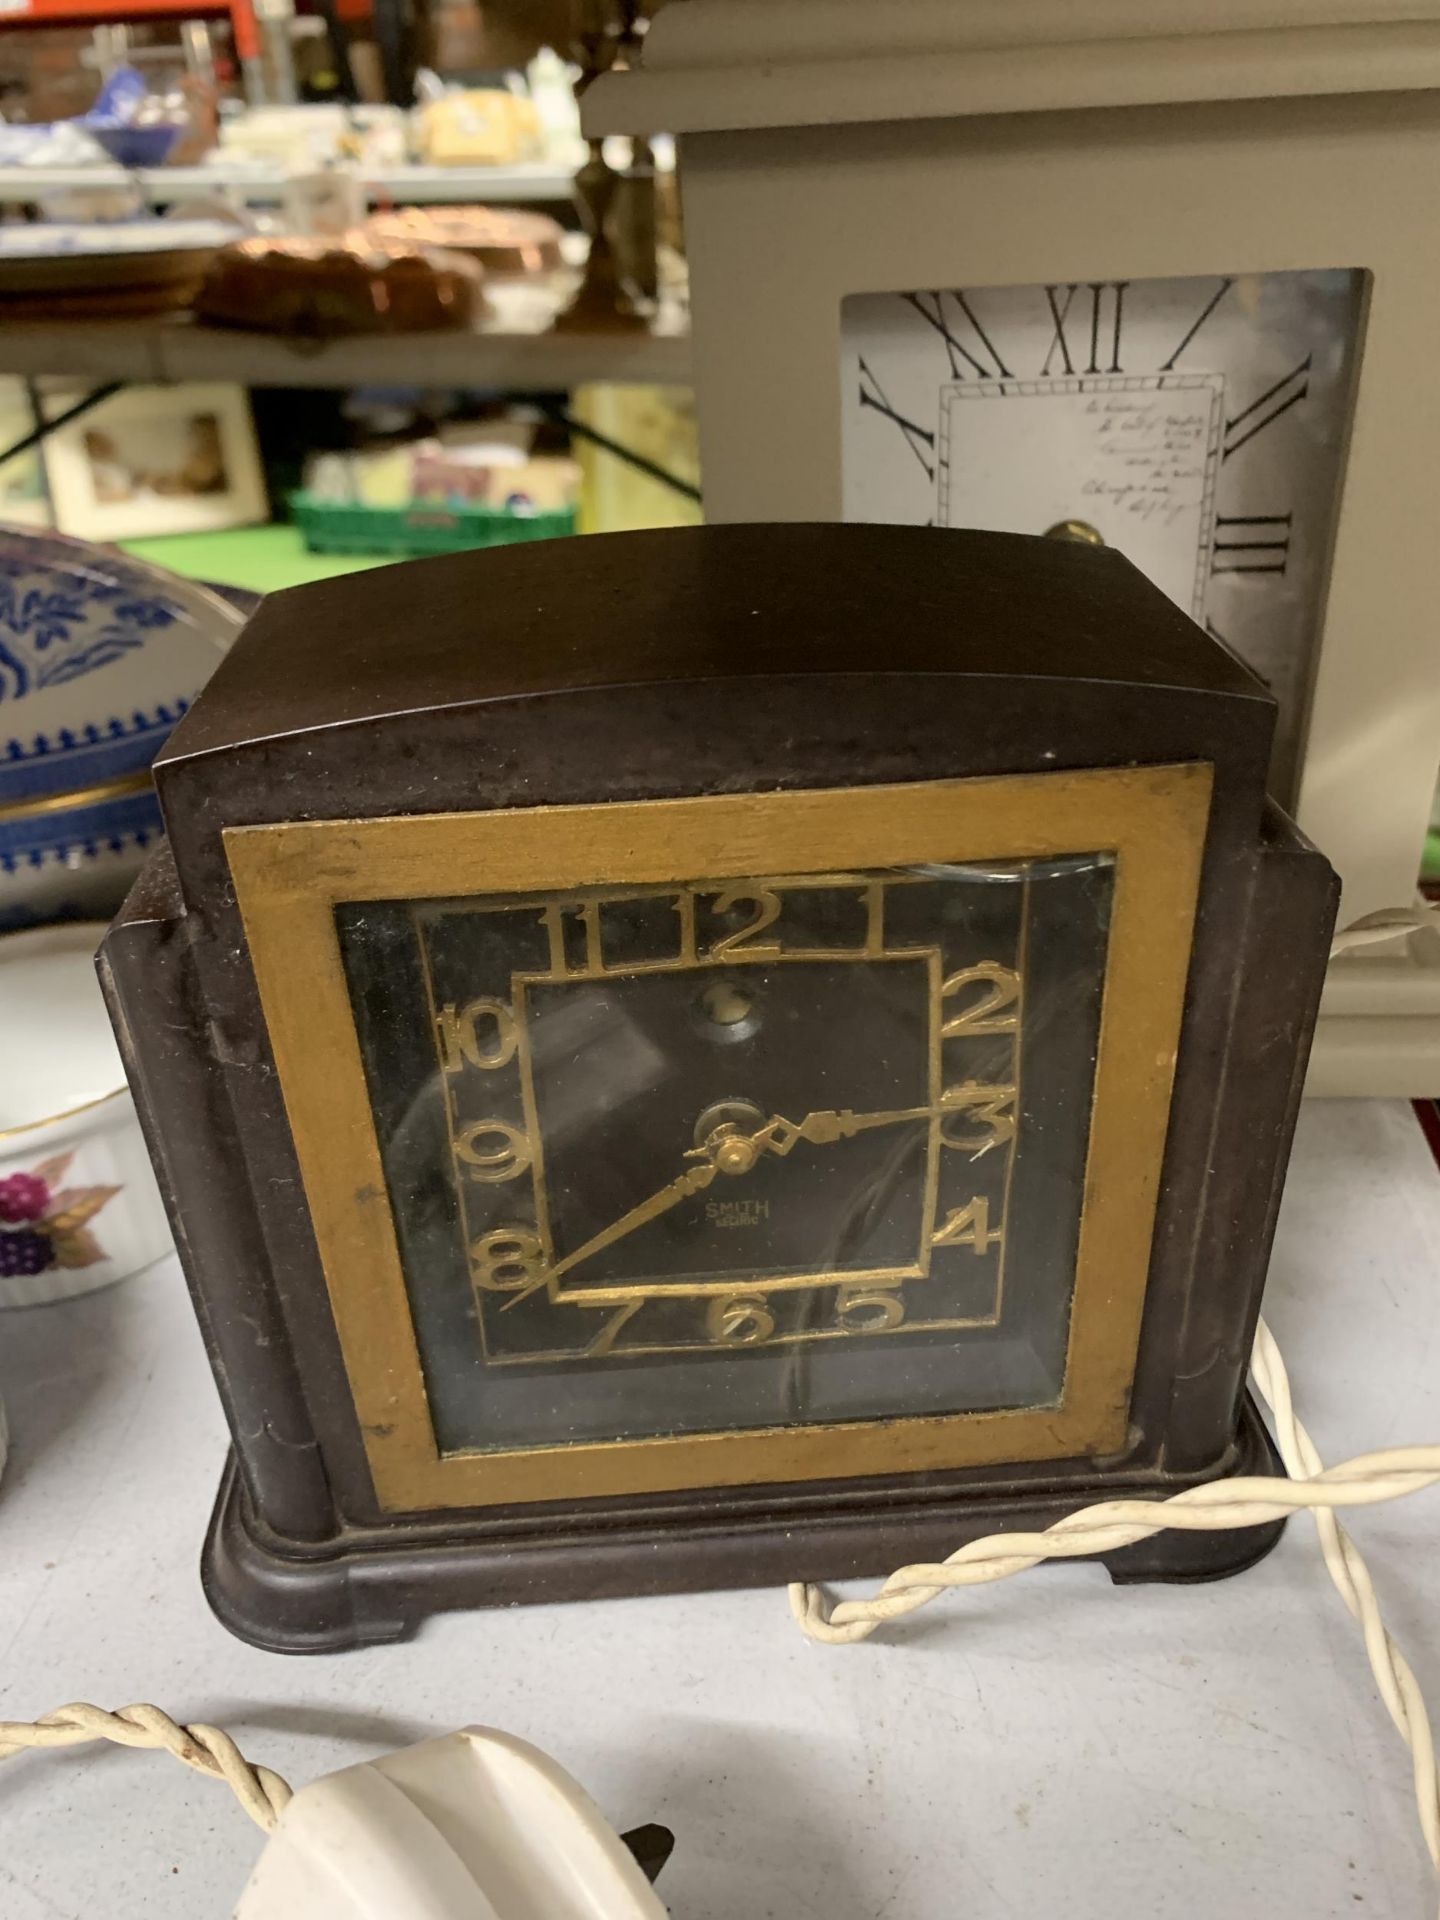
[[1157, 278]]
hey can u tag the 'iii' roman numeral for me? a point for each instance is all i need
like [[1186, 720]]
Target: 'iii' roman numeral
[[1253, 543], [1168, 366], [961, 331], [1097, 324], [1287, 392], [920, 440]]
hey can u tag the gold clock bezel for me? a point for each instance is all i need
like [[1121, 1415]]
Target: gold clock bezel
[[290, 876]]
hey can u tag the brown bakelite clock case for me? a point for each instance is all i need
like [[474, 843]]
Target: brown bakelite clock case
[[714, 1057]]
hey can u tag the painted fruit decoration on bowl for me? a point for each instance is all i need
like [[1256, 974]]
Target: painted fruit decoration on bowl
[[44, 1223], [100, 654], [79, 1207]]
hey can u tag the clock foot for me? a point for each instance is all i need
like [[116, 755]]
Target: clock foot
[[278, 1596]]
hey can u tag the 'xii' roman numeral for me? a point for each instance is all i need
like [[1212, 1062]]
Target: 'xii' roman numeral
[[970, 348], [1287, 392], [1251, 543], [1097, 323], [920, 440]]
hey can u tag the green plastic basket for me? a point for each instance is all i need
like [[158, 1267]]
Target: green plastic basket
[[330, 527]]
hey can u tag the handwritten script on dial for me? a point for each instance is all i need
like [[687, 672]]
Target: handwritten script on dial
[[1151, 451]]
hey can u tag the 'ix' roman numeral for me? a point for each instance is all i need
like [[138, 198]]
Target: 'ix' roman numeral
[[917, 438], [959, 315], [1254, 543], [1287, 392], [1061, 300]]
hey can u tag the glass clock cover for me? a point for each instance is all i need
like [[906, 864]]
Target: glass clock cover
[[688, 1158]]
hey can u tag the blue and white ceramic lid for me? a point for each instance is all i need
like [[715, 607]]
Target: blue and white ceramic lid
[[100, 654]]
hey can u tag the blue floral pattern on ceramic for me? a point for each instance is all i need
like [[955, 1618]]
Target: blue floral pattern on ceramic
[[100, 656], [52, 633]]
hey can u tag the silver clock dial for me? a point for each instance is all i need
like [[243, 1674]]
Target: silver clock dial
[[1196, 424]]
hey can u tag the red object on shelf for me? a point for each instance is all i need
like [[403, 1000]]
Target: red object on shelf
[[50, 13]]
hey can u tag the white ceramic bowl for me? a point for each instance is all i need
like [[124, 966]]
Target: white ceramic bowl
[[79, 1207]]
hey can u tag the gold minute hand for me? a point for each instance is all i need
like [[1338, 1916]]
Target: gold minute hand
[[693, 1181]]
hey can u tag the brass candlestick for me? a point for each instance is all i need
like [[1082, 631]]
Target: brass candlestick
[[601, 299]]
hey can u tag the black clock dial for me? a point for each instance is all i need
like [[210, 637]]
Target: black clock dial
[[734, 1154]]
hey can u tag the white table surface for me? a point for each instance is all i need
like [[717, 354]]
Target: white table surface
[[1048, 1746]]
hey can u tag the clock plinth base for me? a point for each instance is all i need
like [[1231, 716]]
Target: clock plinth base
[[373, 1586]]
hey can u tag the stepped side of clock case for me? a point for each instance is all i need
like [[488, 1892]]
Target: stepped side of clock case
[[172, 1058]]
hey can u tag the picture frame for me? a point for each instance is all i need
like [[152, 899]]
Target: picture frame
[[155, 460]]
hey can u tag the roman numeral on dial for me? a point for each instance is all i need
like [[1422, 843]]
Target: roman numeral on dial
[[920, 440], [1094, 320], [1168, 366], [970, 348], [1287, 392], [1255, 543]]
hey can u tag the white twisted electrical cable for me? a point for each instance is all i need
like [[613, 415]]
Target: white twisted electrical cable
[[1111, 1524], [1374, 929], [1398, 1686], [210, 1750]]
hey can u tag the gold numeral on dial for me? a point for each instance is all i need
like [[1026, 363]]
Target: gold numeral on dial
[[1000, 990], [507, 1259], [743, 941], [493, 1150], [588, 914], [865, 1309], [606, 1338], [987, 1115], [874, 898], [461, 1035], [739, 1320], [684, 904], [968, 1226]]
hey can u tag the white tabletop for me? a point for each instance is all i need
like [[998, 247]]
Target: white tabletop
[[1049, 1746]]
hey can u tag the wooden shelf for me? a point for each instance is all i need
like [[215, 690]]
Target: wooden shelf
[[515, 351], [258, 186]]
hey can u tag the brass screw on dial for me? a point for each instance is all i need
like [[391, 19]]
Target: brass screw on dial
[[1080, 530], [732, 1154], [725, 1003]]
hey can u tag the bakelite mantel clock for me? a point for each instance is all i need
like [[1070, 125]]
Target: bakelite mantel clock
[[712, 1057]]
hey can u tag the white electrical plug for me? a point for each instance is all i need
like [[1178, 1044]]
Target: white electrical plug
[[473, 1826]]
